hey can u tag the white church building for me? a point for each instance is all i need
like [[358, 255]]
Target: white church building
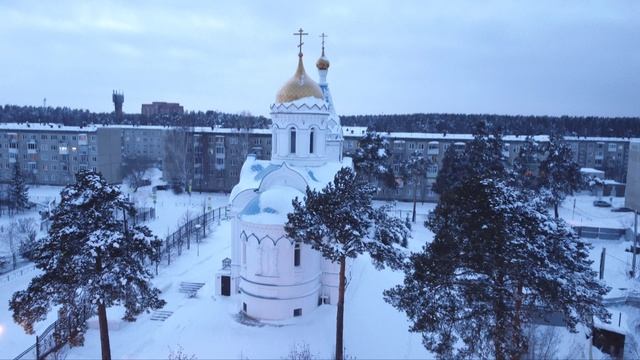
[[275, 277]]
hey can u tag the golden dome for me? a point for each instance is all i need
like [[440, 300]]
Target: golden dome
[[299, 86], [322, 63]]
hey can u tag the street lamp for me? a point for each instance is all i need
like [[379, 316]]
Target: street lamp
[[198, 227]]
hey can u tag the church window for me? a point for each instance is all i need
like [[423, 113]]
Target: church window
[[292, 145], [296, 255], [297, 312], [244, 253], [311, 138]]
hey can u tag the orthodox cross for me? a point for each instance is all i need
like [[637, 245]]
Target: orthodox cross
[[323, 35], [300, 33]]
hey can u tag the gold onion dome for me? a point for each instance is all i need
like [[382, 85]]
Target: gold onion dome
[[299, 86], [322, 63]]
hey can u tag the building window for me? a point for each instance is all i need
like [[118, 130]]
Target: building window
[[296, 255], [297, 312], [292, 145], [244, 307], [311, 136]]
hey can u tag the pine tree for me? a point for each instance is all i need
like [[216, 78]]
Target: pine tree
[[496, 255], [92, 254], [18, 190], [370, 160], [526, 165], [559, 173], [341, 223], [413, 172], [450, 172]]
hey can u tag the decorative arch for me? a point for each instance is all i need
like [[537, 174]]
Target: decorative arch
[[259, 240]]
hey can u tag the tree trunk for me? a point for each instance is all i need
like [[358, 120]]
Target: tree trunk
[[102, 320], [104, 332], [340, 312], [517, 323], [415, 191], [555, 209]]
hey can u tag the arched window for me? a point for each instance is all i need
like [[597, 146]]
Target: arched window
[[292, 144], [244, 253], [296, 254], [311, 138]]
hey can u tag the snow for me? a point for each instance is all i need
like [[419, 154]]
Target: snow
[[271, 206], [585, 214], [254, 171], [208, 326]]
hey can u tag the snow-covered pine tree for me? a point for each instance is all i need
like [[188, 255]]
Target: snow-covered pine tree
[[526, 165], [559, 173], [496, 255], [371, 160], [341, 223], [450, 172], [18, 190], [92, 254], [413, 172]]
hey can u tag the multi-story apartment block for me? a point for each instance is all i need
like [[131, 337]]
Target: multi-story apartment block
[[52, 154], [212, 157], [632, 194], [143, 142]]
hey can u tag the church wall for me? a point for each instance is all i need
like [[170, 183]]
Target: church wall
[[271, 286]]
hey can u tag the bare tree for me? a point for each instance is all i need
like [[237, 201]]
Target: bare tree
[[544, 342], [178, 161], [135, 170], [28, 231]]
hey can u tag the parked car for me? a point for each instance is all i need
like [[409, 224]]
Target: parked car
[[601, 203], [622, 209]]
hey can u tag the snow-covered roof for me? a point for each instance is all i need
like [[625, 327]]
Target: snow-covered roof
[[271, 206], [591, 171], [254, 171], [47, 127]]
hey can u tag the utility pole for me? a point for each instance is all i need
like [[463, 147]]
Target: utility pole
[[635, 244]]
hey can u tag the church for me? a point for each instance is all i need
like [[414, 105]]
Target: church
[[275, 277]]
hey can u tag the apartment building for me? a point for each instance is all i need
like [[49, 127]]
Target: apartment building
[[212, 157], [632, 194], [52, 154]]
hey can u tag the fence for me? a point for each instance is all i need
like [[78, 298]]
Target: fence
[[62, 330], [56, 335], [599, 232], [144, 214], [195, 227]]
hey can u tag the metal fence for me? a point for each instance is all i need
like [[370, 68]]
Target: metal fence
[[58, 334], [591, 232], [54, 337], [193, 229], [144, 214]]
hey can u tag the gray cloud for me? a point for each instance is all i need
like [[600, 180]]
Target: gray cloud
[[524, 57]]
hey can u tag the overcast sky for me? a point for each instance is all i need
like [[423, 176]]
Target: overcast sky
[[507, 57]]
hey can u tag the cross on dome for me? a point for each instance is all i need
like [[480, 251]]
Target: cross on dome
[[300, 33], [323, 36]]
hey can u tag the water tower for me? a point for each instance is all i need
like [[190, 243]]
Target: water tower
[[118, 100]]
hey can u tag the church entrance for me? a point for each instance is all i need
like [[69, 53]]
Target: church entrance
[[225, 285]]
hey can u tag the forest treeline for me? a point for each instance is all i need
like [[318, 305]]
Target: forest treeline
[[431, 123], [509, 124]]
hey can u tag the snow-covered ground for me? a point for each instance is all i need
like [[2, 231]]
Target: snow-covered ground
[[208, 326]]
